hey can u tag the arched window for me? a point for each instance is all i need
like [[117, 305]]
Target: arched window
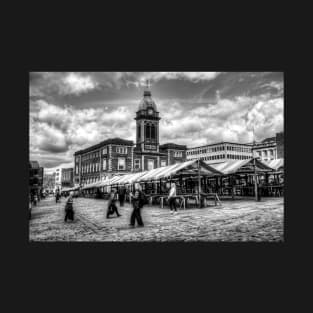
[[139, 131], [152, 131], [148, 131]]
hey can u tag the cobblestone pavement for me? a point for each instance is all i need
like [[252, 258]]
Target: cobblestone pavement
[[239, 220]]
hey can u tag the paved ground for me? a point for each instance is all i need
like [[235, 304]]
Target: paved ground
[[240, 220]]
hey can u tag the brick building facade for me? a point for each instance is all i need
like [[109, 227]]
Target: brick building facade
[[103, 160]]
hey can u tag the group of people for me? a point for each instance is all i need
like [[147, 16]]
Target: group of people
[[138, 199]]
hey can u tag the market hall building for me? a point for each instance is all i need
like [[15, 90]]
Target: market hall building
[[116, 156]]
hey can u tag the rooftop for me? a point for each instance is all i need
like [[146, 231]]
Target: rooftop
[[114, 141], [171, 145], [221, 143]]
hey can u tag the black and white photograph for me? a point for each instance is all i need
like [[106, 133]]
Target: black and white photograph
[[156, 157]]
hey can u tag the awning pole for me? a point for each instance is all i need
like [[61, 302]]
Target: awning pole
[[255, 181], [199, 183]]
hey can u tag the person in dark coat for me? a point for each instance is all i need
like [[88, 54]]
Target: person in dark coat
[[112, 208], [57, 196], [69, 211], [138, 200], [121, 195]]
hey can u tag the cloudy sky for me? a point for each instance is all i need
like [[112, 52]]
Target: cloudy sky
[[73, 110]]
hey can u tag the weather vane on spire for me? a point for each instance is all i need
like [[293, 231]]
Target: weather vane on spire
[[148, 84]]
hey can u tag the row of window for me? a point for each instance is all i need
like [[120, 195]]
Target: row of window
[[150, 164], [178, 154], [223, 156], [95, 167], [265, 153], [219, 148], [89, 156]]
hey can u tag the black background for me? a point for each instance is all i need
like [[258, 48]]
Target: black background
[[153, 276]]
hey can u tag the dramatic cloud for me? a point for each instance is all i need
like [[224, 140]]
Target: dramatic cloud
[[71, 111]]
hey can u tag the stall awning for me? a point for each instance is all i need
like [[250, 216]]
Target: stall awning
[[241, 166], [69, 189], [189, 168], [277, 164]]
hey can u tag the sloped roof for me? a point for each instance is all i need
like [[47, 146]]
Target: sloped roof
[[241, 166], [276, 164], [185, 168], [170, 145]]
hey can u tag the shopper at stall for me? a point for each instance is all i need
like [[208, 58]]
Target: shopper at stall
[[138, 201], [172, 199], [112, 208]]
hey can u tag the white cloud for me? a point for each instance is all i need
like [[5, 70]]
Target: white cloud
[[191, 76], [74, 83]]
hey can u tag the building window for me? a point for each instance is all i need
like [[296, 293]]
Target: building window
[[163, 163], [104, 164], [121, 150], [137, 164], [139, 132], [150, 165], [105, 150], [153, 132], [121, 165], [76, 170], [178, 154]]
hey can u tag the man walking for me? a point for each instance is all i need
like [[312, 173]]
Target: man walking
[[138, 200], [69, 211], [172, 199], [111, 205], [121, 195]]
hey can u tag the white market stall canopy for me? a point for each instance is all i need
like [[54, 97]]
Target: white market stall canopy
[[241, 166], [185, 168], [277, 164], [69, 189]]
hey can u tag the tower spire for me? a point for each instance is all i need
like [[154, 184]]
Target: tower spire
[[147, 91]]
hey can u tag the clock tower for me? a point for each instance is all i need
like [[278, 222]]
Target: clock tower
[[147, 124], [146, 153]]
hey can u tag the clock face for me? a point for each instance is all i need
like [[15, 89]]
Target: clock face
[[150, 111]]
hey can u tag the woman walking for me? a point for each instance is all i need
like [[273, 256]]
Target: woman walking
[[112, 208], [138, 200], [172, 199]]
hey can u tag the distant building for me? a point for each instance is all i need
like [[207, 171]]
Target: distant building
[[67, 179], [118, 156], [270, 148], [35, 177], [220, 152], [58, 178], [49, 181]]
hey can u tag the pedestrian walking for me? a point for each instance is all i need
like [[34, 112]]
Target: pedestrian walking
[[112, 208], [69, 210], [139, 200], [172, 199], [35, 199], [30, 207], [57, 196], [121, 196]]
